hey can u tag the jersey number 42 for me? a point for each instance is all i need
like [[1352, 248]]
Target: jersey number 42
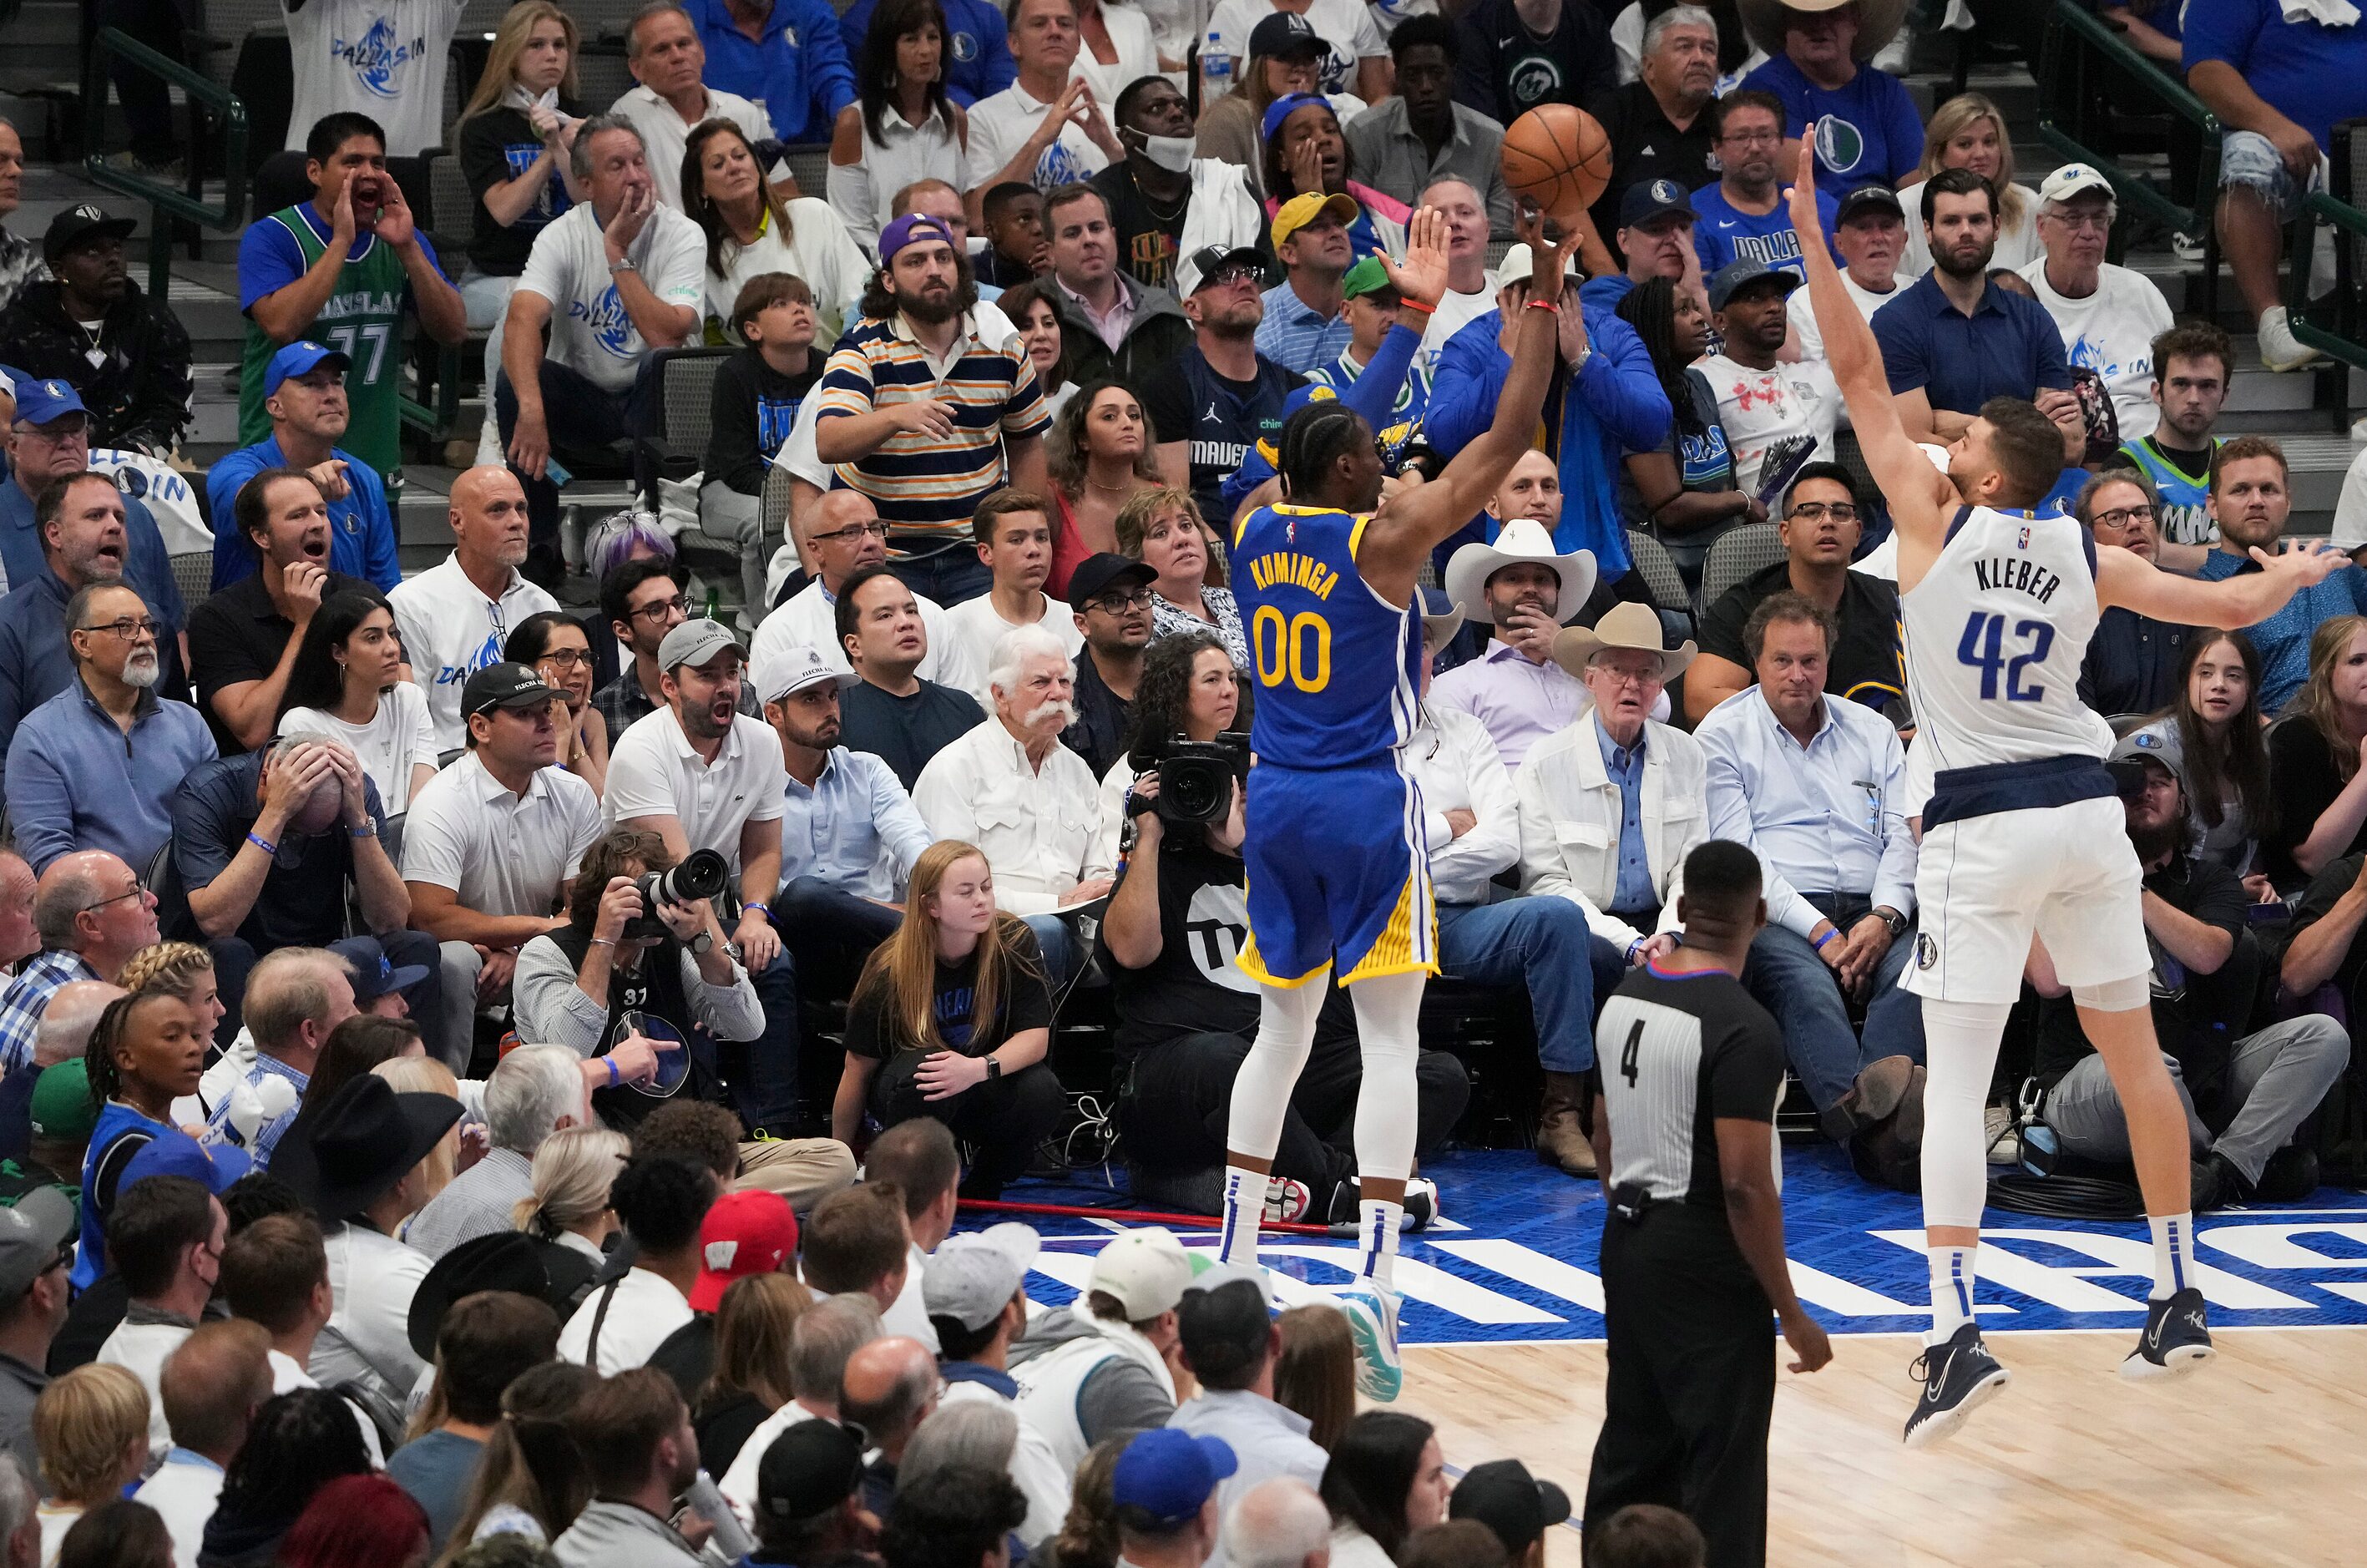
[[1983, 647]]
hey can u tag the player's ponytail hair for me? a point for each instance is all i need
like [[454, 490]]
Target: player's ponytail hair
[[1312, 439]]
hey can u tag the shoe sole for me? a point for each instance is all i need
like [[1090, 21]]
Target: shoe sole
[[2280, 366], [1882, 1088], [1942, 1427], [1378, 1378], [2181, 1360]]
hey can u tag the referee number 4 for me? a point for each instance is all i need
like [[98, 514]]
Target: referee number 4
[[1627, 1053], [1983, 647]]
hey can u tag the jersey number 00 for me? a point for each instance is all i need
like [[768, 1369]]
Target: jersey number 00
[[1297, 649]]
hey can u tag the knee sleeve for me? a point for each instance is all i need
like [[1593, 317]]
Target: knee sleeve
[[1261, 1088], [2115, 996], [1388, 1009], [1961, 1050]]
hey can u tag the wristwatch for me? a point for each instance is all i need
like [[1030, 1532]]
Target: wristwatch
[[993, 1068], [1891, 919], [702, 944]]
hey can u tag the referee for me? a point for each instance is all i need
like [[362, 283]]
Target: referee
[[1690, 1069]]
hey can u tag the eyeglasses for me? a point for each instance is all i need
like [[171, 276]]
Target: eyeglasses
[[656, 610], [137, 889], [1233, 272], [2079, 222], [1618, 676], [72, 427], [1752, 138], [1818, 511], [1115, 603], [130, 630], [2121, 516], [852, 531], [565, 659]]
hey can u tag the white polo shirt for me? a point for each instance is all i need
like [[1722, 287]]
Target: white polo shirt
[[500, 853], [450, 631], [665, 134], [972, 629], [653, 771], [1001, 123]]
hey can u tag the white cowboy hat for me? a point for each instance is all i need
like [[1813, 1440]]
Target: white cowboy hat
[[1523, 539], [1626, 626], [1877, 22], [1442, 618]]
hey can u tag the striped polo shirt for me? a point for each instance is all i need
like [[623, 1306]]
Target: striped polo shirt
[[924, 484]]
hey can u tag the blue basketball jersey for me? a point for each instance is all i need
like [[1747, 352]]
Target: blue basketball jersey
[[1334, 660]]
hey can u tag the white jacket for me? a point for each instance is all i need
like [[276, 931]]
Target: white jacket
[[1223, 211], [1569, 820], [367, 1338]]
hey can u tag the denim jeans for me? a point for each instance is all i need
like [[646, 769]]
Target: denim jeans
[[584, 421], [766, 1085], [949, 574], [1543, 943], [1057, 939], [1791, 981]]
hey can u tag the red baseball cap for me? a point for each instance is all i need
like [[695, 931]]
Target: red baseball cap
[[744, 1234]]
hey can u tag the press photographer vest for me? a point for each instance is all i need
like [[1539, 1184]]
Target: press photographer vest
[[655, 987]]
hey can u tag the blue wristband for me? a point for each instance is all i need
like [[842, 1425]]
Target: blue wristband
[[613, 1076], [1829, 937], [764, 909], [262, 844]]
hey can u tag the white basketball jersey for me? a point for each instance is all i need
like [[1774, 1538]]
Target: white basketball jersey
[[1995, 633]]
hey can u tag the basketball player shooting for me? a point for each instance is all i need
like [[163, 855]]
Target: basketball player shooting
[[2022, 840], [1334, 852]]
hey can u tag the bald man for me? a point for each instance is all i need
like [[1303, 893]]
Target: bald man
[[1280, 1523], [294, 996], [18, 941], [889, 1387], [842, 533], [454, 616], [63, 1035], [91, 912]]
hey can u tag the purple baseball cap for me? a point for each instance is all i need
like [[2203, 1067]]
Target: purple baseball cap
[[912, 226]]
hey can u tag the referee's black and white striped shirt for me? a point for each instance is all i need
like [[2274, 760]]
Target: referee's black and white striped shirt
[[1675, 1052]]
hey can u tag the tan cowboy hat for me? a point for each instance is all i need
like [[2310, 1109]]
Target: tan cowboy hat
[[1877, 22], [1627, 626], [1523, 539]]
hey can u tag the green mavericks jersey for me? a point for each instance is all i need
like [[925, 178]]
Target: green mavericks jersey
[[363, 321], [2183, 520]]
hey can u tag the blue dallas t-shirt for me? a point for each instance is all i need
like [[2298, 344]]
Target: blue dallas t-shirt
[[2311, 74], [1722, 233], [1867, 133]]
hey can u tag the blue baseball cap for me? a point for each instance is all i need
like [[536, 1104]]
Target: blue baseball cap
[[299, 358], [1650, 198], [375, 975], [41, 402], [1283, 107], [912, 226], [1169, 1474], [174, 1152]]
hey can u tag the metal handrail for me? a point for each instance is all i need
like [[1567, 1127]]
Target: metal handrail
[[164, 200], [2311, 329]]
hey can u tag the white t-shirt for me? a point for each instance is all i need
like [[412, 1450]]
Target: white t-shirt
[[140, 1348], [450, 631], [382, 58], [1138, 56], [1455, 310], [400, 736], [974, 625], [590, 330], [908, 1315], [1346, 24], [1803, 320], [2110, 332], [810, 617], [1001, 123], [665, 135], [499, 854], [1762, 407], [652, 771], [2350, 508], [818, 250], [647, 1307], [184, 1492]]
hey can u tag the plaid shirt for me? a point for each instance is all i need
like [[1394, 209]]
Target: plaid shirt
[[28, 995], [622, 702]]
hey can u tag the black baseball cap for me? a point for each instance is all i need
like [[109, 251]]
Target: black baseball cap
[[1097, 573], [1866, 196], [1650, 198], [503, 686], [1505, 1497], [1287, 36], [812, 1467], [1736, 276], [79, 225]]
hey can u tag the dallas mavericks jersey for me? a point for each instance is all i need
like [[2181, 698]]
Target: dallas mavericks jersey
[[1334, 660], [363, 321], [2183, 518], [1995, 634]]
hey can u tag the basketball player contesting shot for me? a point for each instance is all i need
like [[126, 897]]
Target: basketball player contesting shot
[[1335, 851], [2021, 839]]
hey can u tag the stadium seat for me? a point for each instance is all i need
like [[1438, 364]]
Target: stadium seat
[[1736, 554], [193, 573], [452, 211], [809, 165], [1659, 572], [601, 75], [686, 405]]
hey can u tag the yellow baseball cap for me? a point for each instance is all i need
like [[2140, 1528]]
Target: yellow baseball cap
[[1299, 211]]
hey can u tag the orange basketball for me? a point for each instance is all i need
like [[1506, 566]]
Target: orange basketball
[[1558, 157]]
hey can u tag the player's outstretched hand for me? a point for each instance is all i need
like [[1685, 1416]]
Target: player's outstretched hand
[[1421, 276], [1806, 1337], [1806, 222], [2305, 561]]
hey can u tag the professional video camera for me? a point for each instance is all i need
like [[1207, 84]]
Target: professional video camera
[[702, 873], [1196, 778]]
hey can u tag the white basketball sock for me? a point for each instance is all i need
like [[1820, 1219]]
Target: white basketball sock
[[2173, 1254], [1260, 1097], [1377, 1240], [1952, 1291]]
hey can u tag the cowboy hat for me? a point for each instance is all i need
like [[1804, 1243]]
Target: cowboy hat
[[1877, 22], [367, 1138], [1627, 626], [1523, 539], [1442, 618]]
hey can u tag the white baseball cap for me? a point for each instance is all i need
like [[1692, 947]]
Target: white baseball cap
[[780, 671], [2070, 180], [1145, 1270]]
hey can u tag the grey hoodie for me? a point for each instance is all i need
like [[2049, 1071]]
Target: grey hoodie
[[1117, 1399]]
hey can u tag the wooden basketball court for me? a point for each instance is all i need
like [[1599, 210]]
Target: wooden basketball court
[[2259, 1461]]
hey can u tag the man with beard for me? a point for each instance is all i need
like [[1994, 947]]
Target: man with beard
[[97, 763], [2255, 1088], [921, 414], [84, 528], [1111, 596], [1521, 584], [1951, 340], [849, 834], [1220, 396], [243, 640], [642, 1456], [1029, 803], [2192, 363], [1742, 216], [454, 616], [304, 392], [1772, 413], [134, 375], [1870, 233], [702, 775], [2251, 496], [1658, 124]]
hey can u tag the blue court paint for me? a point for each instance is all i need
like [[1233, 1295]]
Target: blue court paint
[[1514, 1257]]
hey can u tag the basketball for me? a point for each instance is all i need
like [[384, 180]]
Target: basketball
[[1558, 157]]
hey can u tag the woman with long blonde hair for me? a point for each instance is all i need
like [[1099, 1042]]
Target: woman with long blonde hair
[[751, 229], [2315, 778], [1967, 132], [1098, 459], [952, 1018], [515, 135]]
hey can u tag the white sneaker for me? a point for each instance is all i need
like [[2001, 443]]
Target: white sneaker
[[2186, 247], [1997, 1127], [1372, 1313], [2280, 349]]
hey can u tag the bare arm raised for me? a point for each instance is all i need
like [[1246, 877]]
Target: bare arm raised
[[2135, 584], [1415, 521]]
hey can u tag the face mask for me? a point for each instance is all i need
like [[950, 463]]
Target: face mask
[[1172, 153]]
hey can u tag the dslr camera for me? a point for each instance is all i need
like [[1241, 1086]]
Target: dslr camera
[[702, 873], [1197, 778]]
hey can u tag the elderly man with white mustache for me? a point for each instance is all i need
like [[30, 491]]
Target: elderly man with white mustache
[[96, 767], [1029, 803]]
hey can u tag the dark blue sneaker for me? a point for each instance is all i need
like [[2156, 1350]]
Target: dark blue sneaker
[[1959, 1377], [2177, 1338]]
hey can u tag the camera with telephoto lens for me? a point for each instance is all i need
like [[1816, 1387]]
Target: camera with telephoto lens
[[1196, 778], [702, 873]]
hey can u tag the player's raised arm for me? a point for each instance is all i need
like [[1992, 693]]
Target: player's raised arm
[[1408, 528], [1908, 482], [2135, 584]]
